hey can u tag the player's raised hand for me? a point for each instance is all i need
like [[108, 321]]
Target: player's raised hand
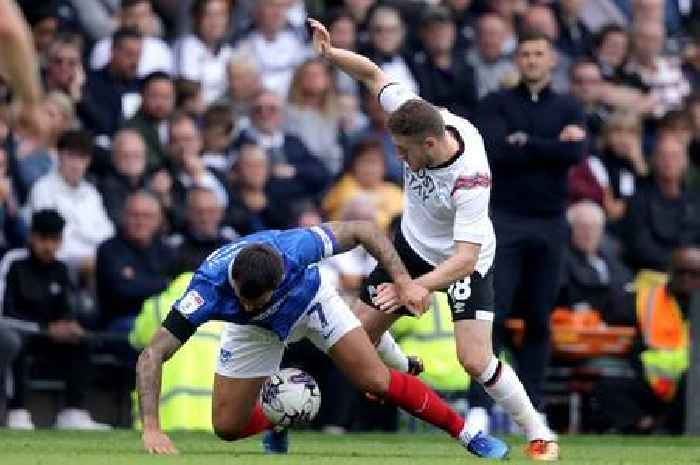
[[157, 442], [321, 37]]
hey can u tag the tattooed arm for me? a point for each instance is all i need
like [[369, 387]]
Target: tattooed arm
[[148, 378], [349, 234]]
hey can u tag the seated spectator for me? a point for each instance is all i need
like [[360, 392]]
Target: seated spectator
[[77, 200], [186, 166], [660, 74], [296, 173], [343, 31], [377, 129], [155, 55], [251, 208], [444, 76], [203, 231], [461, 11], [612, 47], [217, 136], [588, 88], [188, 97], [386, 35], [244, 83], [276, 47], [611, 178], [60, 113], [38, 291], [151, 120], [654, 400], [127, 174], [593, 277], [694, 148], [13, 229], [312, 113], [133, 265], [491, 65], [575, 39], [64, 70], [662, 215], [203, 55], [110, 94], [365, 177]]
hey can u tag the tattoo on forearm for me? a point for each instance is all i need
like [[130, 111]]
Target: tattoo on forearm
[[350, 234], [149, 370]]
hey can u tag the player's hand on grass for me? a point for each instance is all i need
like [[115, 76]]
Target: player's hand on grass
[[321, 37], [157, 442]]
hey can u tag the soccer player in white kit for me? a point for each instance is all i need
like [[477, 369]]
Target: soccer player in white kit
[[446, 238]]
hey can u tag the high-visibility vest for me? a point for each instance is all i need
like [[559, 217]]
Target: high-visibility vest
[[432, 337], [665, 335], [188, 377]]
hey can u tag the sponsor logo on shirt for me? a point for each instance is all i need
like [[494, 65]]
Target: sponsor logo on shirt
[[472, 182], [225, 356], [190, 303], [420, 183]]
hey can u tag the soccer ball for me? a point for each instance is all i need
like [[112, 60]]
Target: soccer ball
[[290, 397]]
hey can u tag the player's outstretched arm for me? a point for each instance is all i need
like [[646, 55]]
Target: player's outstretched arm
[[148, 376], [349, 234], [358, 67]]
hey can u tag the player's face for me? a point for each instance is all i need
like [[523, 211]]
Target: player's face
[[411, 150]]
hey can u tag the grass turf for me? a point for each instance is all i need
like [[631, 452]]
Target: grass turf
[[123, 447]]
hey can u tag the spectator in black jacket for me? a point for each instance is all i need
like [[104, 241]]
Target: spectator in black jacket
[[108, 91], [203, 231], [251, 207], [133, 265], [39, 294], [662, 215], [295, 172], [593, 276], [533, 136], [443, 74], [127, 174]]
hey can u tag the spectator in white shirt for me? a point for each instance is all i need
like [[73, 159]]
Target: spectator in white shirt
[[155, 53], [78, 202], [277, 48], [491, 65], [204, 55]]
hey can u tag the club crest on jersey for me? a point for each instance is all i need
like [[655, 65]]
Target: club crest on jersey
[[472, 182], [190, 303], [421, 183]]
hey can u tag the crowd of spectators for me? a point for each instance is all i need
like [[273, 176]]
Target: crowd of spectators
[[175, 126]]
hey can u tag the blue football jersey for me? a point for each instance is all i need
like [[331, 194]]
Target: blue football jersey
[[210, 295]]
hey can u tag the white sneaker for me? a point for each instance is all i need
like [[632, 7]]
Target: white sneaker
[[19, 418], [477, 420], [72, 418]]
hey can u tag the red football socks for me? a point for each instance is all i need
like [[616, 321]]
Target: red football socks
[[409, 393], [257, 424]]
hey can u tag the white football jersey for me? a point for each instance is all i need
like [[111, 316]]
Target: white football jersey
[[447, 203]]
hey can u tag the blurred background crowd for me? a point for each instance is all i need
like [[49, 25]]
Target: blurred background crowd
[[176, 126]]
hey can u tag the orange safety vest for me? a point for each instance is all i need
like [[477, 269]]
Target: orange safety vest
[[665, 335]]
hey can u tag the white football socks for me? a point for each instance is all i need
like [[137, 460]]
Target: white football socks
[[391, 354], [509, 392]]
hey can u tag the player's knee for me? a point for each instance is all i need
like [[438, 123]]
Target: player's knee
[[227, 430], [376, 384]]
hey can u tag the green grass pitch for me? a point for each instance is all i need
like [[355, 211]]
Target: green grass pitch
[[124, 447]]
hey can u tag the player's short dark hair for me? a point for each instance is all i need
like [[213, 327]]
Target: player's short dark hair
[[153, 77], [416, 118], [533, 35], [257, 269], [47, 223], [125, 33], [78, 141]]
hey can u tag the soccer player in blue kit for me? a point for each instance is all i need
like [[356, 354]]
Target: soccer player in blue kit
[[268, 289]]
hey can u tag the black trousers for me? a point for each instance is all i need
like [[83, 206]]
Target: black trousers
[[528, 263], [67, 362]]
